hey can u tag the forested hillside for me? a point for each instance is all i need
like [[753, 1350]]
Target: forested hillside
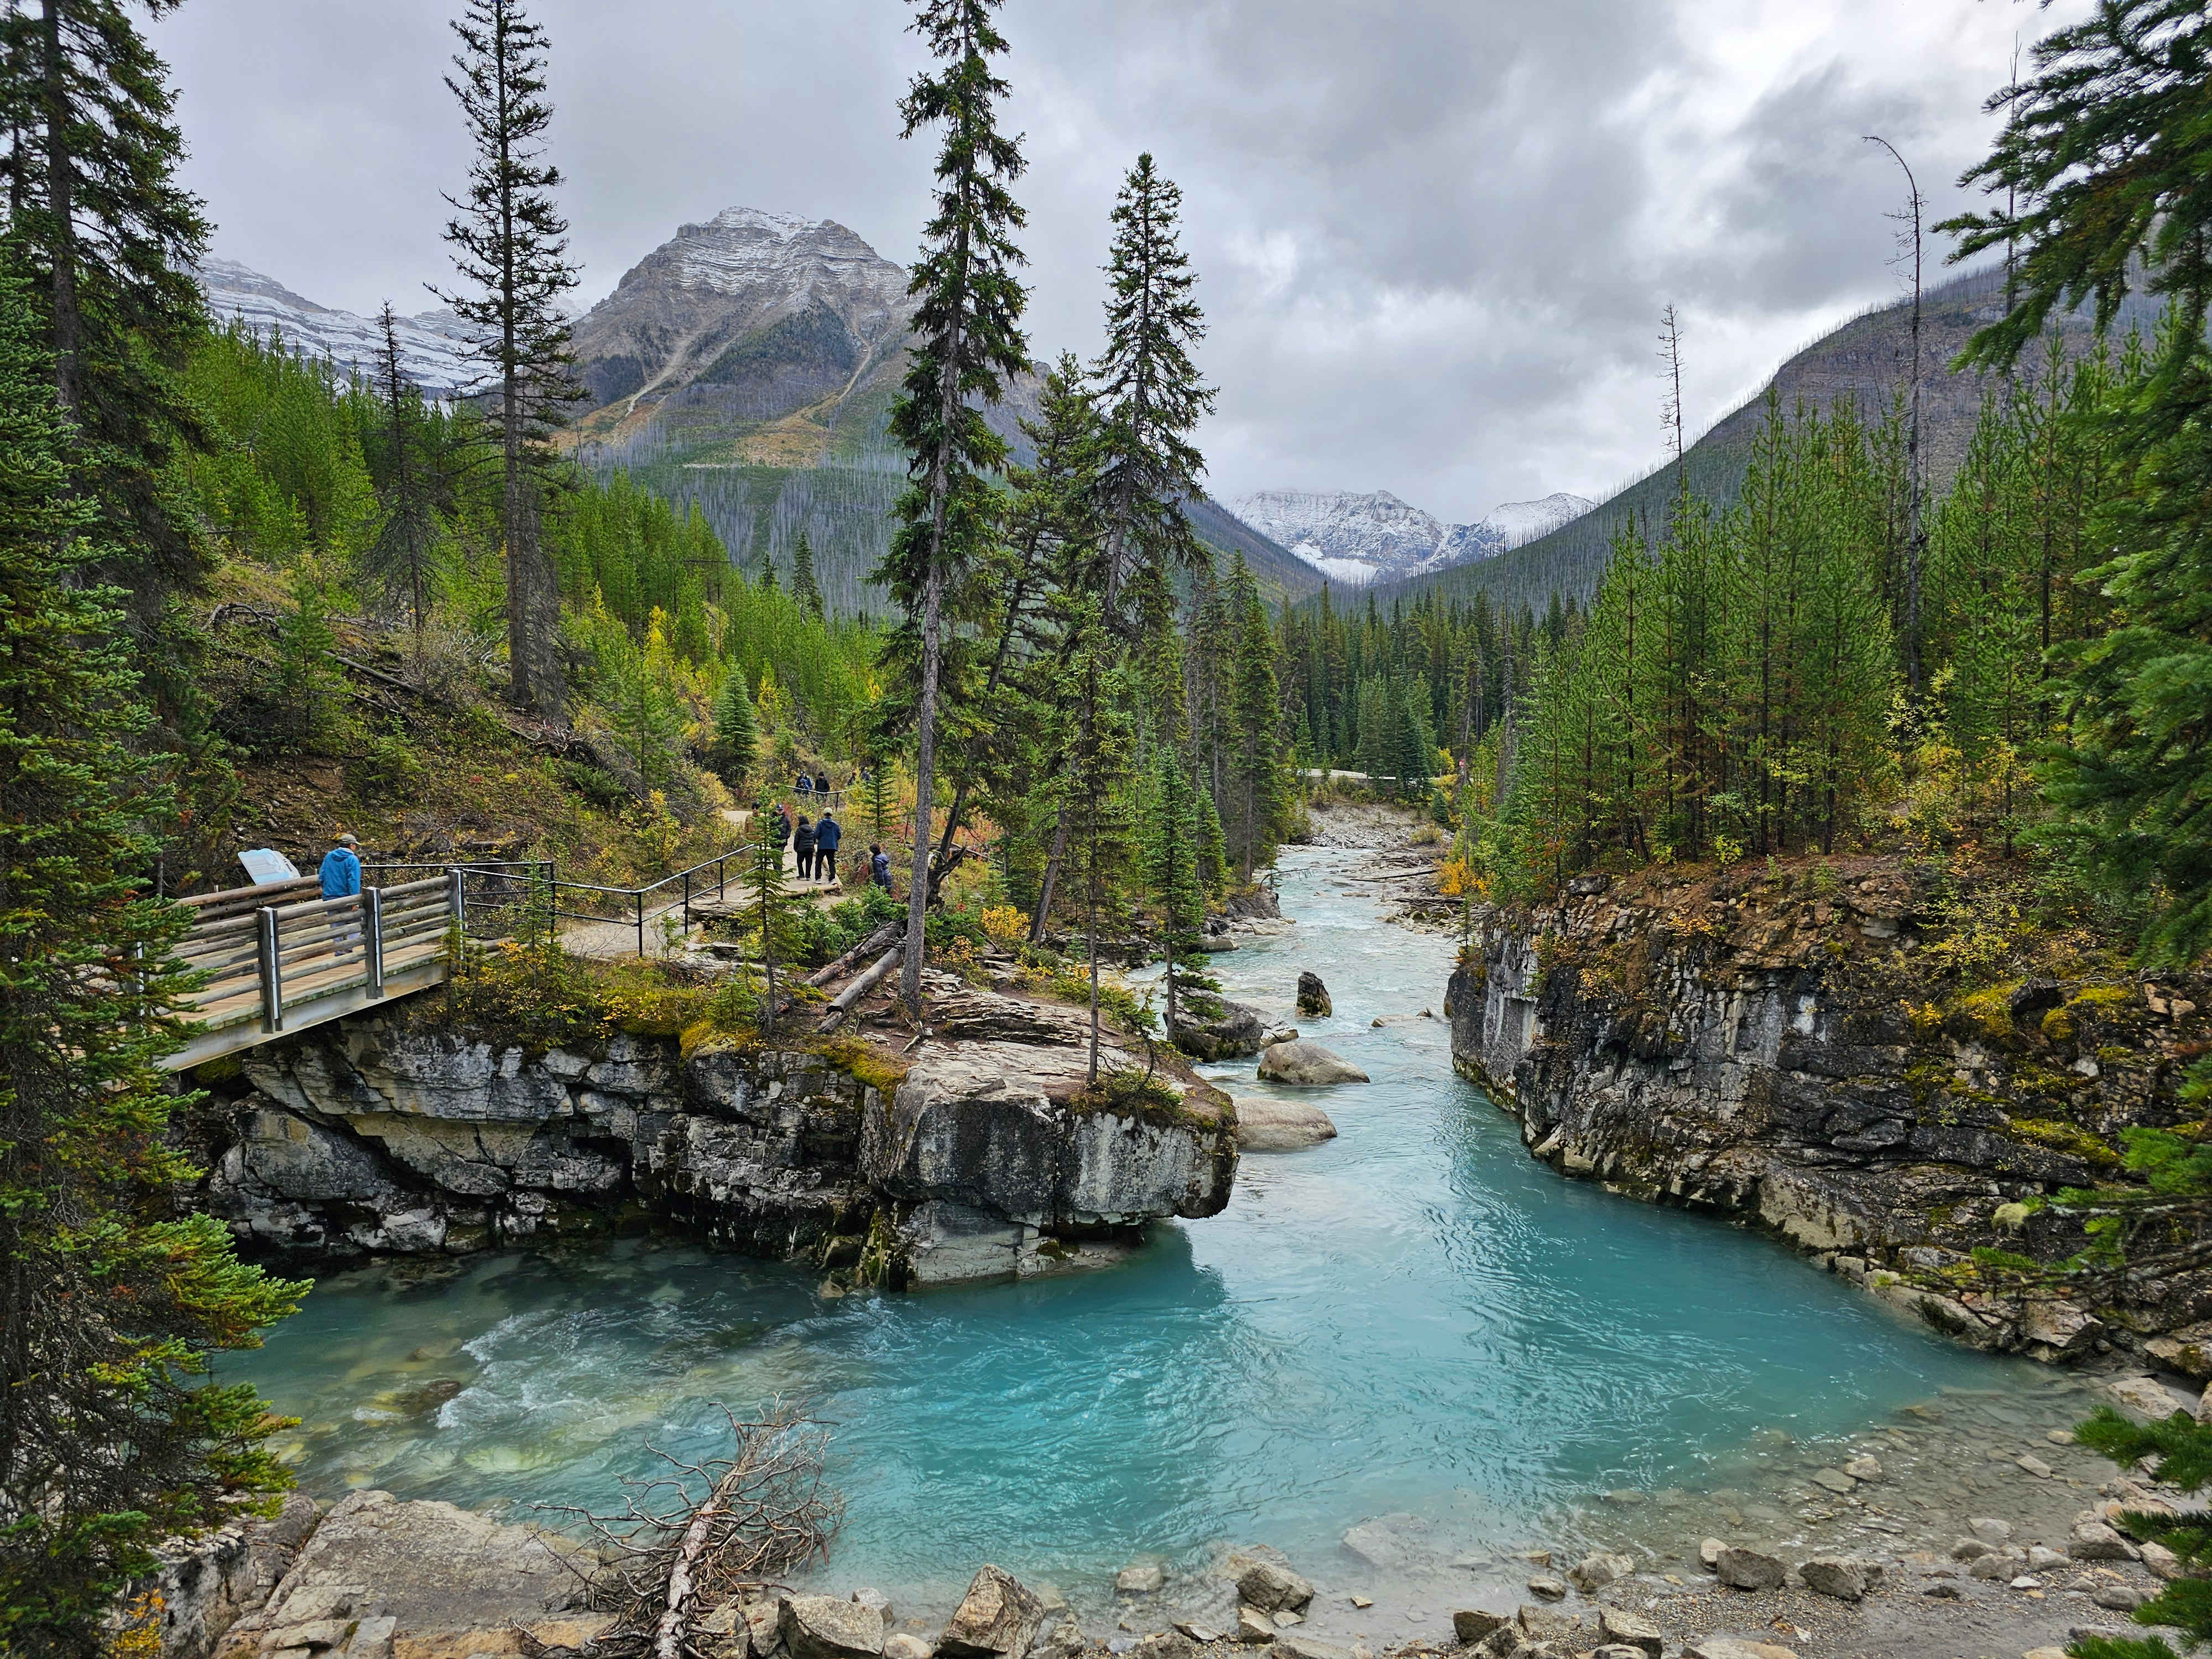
[[1863, 364]]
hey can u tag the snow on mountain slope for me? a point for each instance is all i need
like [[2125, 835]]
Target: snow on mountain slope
[[433, 344], [1361, 539]]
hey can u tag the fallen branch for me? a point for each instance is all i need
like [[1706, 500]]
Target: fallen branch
[[689, 1540]]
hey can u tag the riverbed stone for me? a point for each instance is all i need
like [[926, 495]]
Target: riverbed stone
[[1863, 1468], [1293, 1645], [1307, 1063], [1732, 1647], [1313, 997], [1595, 1571], [1546, 1588], [1709, 1552], [1266, 1125], [1835, 1575], [1471, 1624], [1749, 1569], [2162, 1562], [824, 1627], [1208, 1027], [1990, 1529], [2145, 1396], [1835, 1481], [903, 1645], [1619, 1626], [998, 1617], [1139, 1578], [2094, 1540], [1273, 1588], [1253, 1625]]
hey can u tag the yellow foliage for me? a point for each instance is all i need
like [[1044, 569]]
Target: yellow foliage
[[1006, 924]]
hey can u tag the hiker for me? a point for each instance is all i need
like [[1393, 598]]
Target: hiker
[[827, 836], [805, 784], [880, 867], [821, 783], [341, 874], [803, 839], [781, 824]]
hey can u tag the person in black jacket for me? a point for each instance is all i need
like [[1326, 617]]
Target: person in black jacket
[[781, 828], [802, 839], [827, 836]]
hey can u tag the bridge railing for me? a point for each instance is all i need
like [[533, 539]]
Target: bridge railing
[[499, 898]]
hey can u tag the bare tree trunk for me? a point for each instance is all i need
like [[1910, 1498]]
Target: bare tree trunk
[[1051, 878], [61, 203], [1915, 532]]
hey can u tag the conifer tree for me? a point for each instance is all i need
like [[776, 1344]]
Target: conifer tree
[[735, 749], [802, 577], [968, 344], [402, 557], [772, 930], [99, 225], [1150, 398], [510, 249], [110, 1438], [1257, 764]]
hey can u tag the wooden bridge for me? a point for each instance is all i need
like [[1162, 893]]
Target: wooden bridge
[[281, 958]]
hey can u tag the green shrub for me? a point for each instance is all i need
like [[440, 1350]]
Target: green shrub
[[594, 783]]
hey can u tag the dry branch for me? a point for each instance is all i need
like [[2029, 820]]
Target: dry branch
[[689, 1538]]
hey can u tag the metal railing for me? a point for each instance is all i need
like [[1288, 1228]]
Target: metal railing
[[631, 906], [501, 898], [261, 961]]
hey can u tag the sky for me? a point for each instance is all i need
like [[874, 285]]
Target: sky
[[1434, 237]]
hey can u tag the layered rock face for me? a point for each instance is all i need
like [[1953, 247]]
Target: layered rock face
[[1786, 1051], [369, 1137]]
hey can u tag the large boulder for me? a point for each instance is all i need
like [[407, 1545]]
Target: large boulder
[[977, 1125], [998, 1619], [1214, 1027], [827, 1627], [1306, 1063], [1313, 997], [1280, 1126]]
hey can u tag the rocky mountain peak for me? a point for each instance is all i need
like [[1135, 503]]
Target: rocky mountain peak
[[1356, 538]]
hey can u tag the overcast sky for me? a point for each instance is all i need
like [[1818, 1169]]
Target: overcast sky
[[1434, 236]]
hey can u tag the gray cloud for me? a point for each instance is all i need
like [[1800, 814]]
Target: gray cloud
[[1434, 234]]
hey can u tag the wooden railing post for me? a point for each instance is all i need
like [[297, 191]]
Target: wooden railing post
[[372, 919], [272, 971]]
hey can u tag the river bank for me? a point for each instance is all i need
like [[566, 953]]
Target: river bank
[[1407, 1358]]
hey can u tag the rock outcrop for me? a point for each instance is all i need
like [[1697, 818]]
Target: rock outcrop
[[1793, 1052], [1313, 997], [1208, 1027], [372, 1137]]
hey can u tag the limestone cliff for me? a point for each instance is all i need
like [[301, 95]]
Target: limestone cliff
[[1797, 1049], [386, 1136]]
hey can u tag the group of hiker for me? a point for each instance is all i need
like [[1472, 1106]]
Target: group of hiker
[[815, 843]]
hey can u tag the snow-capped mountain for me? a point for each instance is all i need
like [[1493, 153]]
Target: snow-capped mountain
[[1357, 539], [433, 344], [775, 310]]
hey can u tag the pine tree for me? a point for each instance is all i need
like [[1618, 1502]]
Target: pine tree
[[772, 929], [1256, 768], [802, 577], [110, 1438], [404, 556], [1152, 399], [968, 344], [98, 222], [510, 248], [735, 749]]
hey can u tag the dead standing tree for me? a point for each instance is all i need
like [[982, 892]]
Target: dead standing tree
[[1915, 533], [695, 1534]]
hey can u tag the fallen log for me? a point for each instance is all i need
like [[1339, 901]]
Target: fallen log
[[874, 942], [849, 998]]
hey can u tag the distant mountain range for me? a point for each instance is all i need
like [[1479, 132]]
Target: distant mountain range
[[1356, 540], [433, 344]]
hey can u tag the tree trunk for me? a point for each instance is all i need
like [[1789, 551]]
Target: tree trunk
[[61, 202], [1051, 878]]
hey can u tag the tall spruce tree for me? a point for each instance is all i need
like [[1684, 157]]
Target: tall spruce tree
[[1256, 766], [510, 249], [110, 1438], [802, 577], [735, 747], [108, 239], [1151, 400], [968, 344], [402, 557]]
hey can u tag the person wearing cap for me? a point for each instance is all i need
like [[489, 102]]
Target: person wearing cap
[[341, 874], [827, 836]]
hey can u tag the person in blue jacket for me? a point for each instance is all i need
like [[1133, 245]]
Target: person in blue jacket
[[827, 835], [880, 867], [341, 874]]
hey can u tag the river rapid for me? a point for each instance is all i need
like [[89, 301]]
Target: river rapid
[[1401, 1357]]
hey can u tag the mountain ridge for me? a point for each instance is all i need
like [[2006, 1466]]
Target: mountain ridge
[[1356, 538]]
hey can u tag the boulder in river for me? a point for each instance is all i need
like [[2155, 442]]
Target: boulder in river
[[1208, 1027], [1280, 1126], [1273, 1590], [1749, 1569], [1313, 997], [998, 1619], [1307, 1063]]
